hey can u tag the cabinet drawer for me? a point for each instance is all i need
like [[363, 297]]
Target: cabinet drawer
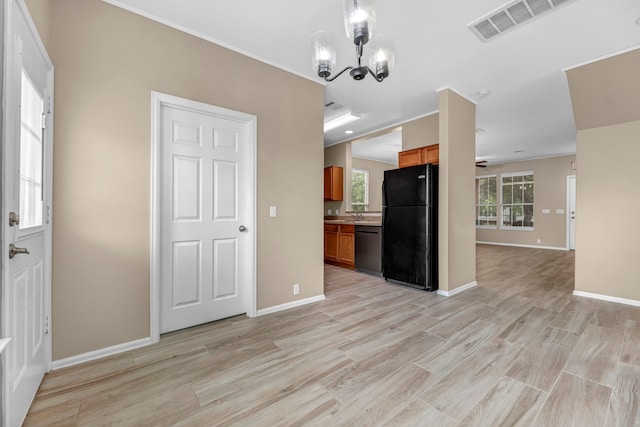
[[331, 227], [348, 228]]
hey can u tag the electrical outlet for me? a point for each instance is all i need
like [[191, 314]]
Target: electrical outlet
[[296, 289], [337, 211], [539, 241], [328, 211]]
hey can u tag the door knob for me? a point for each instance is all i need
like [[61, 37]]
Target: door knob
[[242, 228], [13, 250], [14, 219]]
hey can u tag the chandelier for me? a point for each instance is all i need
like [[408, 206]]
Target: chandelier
[[359, 22]]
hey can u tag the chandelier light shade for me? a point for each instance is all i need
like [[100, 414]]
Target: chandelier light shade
[[381, 55], [359, 19], [323, 53], [359, 22]]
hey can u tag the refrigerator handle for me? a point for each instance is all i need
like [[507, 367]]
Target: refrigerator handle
[[384, 193]]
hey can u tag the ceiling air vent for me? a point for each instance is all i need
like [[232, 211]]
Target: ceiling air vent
[[510, 16]]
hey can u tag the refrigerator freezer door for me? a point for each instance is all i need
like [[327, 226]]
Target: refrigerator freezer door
[[405, 186]]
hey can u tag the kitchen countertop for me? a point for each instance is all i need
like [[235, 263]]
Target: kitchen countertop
[[370, 222]]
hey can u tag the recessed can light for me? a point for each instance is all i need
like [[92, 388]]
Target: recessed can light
[[483, 93]]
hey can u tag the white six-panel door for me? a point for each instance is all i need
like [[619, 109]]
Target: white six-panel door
[[206, 214], [26, 190]]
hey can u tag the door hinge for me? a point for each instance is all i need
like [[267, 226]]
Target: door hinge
[[44, 121], [46, 325], [48, 215]]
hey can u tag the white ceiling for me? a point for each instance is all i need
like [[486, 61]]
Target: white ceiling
[[382, 148], [527, 113]]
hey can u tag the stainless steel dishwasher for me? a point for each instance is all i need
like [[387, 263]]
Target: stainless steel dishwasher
[[369, 249]]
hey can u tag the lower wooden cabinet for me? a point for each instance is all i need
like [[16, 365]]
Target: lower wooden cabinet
[[331, 242], [340, 244]]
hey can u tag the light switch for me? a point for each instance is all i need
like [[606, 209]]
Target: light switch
[[546, 211], [328, 211], [272, 211], [560, 211]]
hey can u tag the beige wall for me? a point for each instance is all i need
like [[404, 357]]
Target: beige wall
[[606, 92], [421, 132], [376, 176], [107, 63], [40, 11], [456, 218], [339, 155], [550, 192], [605, 96], [607, 249]]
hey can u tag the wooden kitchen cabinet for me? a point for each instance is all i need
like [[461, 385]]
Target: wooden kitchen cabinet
[[410, 158], [333, 183], [340, 244], [431, 154], [419, 156], [347, 245], [331, 242]]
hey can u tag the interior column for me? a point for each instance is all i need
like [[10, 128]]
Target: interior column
[[456, 211]]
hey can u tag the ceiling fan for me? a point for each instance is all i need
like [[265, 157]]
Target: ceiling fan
[[481, 164]]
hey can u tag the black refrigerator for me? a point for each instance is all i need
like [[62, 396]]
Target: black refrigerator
[[410, 226]]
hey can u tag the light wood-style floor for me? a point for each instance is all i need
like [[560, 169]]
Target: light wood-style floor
[[518, 350]]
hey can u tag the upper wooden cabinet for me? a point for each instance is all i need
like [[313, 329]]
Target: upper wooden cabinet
[[431, 154], [333, 183], [410, 158], [419, 156]]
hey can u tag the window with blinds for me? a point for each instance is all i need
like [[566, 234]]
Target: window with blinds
[[31, 156]]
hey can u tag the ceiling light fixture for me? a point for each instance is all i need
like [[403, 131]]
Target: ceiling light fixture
[[348, 132], [341, 120], [359, 21]]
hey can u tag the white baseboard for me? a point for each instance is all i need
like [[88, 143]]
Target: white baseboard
[[609, 298], [289, 305], [132, 345], [553, 248], [98, 354], [458, 289]]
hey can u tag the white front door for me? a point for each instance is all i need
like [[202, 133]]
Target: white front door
[[571, 212], [206, 220], [26, 233]]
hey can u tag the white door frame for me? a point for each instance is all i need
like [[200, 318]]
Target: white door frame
[[158, 100], [570, 178], [9, 117]]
